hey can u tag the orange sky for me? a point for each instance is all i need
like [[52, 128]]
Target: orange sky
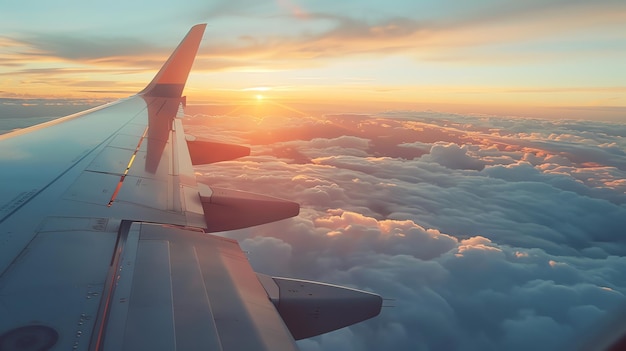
[[549, 59]]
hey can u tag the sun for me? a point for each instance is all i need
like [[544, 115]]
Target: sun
[[259, 97]]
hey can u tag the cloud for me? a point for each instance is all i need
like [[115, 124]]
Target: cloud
[[20, 112], [372, 51], [473, 34], [84, 47], [262, 247], [492, 237], [321, 34], [454, 156]]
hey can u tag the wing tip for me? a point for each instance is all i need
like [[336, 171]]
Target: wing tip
[[199, 25], [171, 78]]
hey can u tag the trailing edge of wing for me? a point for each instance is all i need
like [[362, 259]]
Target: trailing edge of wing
[[171, 79]]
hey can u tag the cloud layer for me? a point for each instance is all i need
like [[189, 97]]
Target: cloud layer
[[487, 233]]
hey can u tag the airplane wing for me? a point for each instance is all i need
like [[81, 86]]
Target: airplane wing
[[104, 240]]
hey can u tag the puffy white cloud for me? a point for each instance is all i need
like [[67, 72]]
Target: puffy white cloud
[[453, 156], [494, 234]]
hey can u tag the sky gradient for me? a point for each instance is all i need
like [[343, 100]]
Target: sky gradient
[[489, 232], [557, 59]]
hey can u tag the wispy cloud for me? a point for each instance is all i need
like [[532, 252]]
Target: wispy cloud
[[88, 47], [516, 52], [441, 39]]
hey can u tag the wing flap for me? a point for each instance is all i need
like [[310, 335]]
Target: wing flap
[[192, 291]]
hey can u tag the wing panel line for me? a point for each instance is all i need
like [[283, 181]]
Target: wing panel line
[[130, 163], [76, 162], [109, 288]]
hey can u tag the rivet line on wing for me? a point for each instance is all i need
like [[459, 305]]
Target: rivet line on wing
[[130, 163]]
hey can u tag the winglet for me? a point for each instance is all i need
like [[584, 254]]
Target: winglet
[[171, 79]]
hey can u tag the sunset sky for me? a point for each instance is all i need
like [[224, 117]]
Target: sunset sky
[[562, 59], [394, 124]]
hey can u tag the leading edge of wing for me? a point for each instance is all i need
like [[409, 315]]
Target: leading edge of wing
[[169, 82], [171, 79]]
